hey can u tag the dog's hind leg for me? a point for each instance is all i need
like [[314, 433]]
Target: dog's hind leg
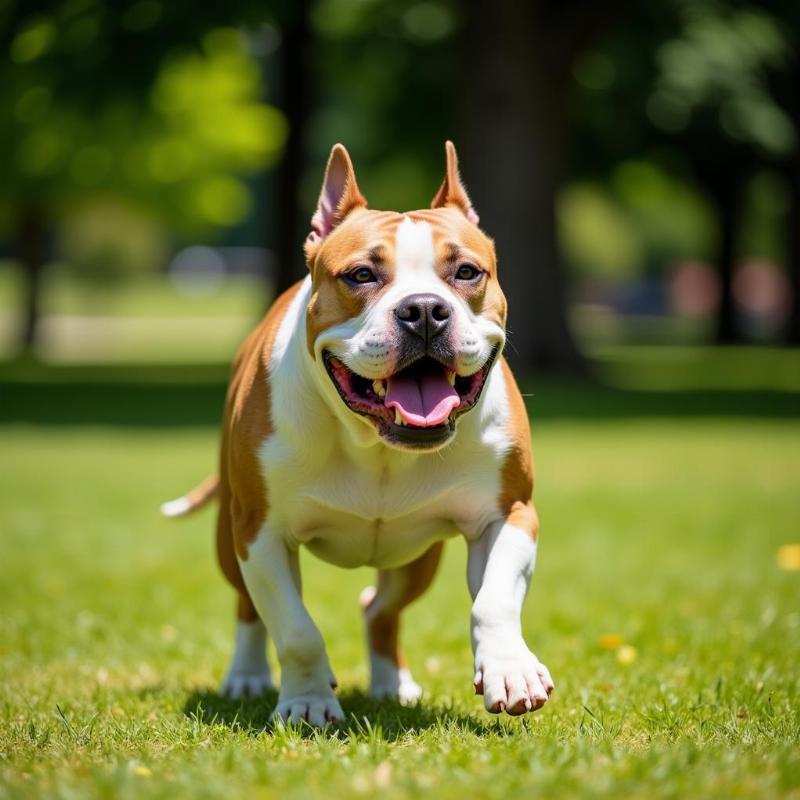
[[389, 673], [249, 674]]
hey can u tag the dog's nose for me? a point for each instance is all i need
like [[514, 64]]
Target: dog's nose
[[424, 315]]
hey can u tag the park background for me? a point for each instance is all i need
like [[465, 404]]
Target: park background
[[638, 165]]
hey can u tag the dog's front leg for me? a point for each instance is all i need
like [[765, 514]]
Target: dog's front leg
[[499, 570], [272, 574]]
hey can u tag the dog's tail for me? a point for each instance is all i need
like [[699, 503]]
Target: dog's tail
[[193, 500]]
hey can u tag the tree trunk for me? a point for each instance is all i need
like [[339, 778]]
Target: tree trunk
[[793, 250], [30, 250], [516, 135], [296, 89], [791, 102], [726, 195]]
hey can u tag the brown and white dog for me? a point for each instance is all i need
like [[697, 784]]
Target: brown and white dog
[[370, 416]]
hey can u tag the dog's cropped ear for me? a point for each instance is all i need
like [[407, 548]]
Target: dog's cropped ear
[[339, 196], [452, 192]]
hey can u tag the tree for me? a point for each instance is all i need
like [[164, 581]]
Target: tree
[[704, 89], [516, 80], [714, 98], [296, 101], [786, 87], [158, 104]]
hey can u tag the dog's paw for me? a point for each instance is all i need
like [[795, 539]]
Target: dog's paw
[[399, 686], [246, 684], [317, 709], [512, 680]]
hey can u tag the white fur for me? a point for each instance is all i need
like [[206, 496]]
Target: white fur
[[176, 508], [386, 680], [249, 673], [415, 257], [272, 575], [499, 570]]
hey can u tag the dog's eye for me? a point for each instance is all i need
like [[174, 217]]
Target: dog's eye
[[360, 275], [467, 272]]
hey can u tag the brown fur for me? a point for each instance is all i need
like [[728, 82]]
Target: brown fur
[[339, 197], [246, 423], [365, 238], [457, 241], [452, 192], [517, 475], [396, 589], [368, 238]]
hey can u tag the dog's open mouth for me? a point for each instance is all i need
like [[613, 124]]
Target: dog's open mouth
[[416, 406]]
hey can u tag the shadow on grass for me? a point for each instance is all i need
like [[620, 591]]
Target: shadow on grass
[[386, 719]]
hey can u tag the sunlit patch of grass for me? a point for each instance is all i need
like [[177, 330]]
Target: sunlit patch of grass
[[658, 535]]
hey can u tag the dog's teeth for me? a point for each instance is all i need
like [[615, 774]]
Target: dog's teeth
[[379, 388], [398, 419], [451, 378]]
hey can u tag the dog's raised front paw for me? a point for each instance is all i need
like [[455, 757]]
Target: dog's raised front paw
[[246, 684], [512, 680], [317, 709]]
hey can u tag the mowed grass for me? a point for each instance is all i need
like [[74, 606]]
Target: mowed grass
[[658, 604]]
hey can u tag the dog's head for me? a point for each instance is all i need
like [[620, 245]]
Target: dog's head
[[406, 315]]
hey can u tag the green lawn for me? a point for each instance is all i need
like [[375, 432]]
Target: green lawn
[[658, 604]]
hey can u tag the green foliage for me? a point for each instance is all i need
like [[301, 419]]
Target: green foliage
[[696, 78], [180, 147], [673, 218], [596, 235], [766, 205], [722, 61], [387, 72], [106, 240], [645, 219]]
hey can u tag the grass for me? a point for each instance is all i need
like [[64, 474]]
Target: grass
[[658, 604]]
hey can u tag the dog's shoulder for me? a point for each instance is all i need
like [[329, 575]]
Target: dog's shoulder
[[247, 423], [517, 471], [249, 383]]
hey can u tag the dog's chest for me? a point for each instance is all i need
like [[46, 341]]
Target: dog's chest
[[382, 512]]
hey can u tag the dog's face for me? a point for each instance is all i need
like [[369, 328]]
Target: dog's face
[[406, 316]]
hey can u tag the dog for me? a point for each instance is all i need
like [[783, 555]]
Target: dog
[[369, 417]]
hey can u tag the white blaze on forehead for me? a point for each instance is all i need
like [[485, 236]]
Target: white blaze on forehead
[[414, 250]]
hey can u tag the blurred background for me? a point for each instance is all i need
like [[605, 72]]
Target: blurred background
[[637, 163]]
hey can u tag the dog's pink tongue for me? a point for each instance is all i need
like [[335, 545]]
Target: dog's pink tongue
[[424, 400]]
